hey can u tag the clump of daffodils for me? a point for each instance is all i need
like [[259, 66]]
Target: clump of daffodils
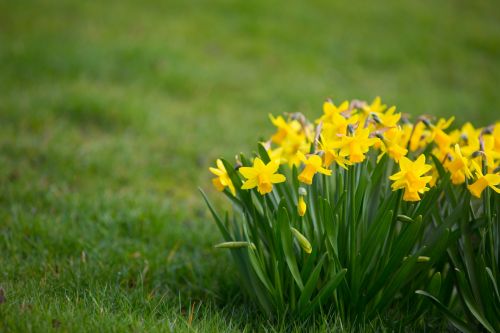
[[344, 135], [339, 212]]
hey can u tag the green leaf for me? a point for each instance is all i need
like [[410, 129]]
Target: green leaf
[[218, 221], [287, 244], [311, 284], [264, 156], [471, 303], [327, 290], [435, 284], [457, 322]]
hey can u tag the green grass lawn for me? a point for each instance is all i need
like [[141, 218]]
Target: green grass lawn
[[111, 113]]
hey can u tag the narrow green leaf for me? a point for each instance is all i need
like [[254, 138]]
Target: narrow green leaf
[[287, 244], [218, 221], [263, 153], [471, 303], [310, 284], [457, 322], [327, 290]]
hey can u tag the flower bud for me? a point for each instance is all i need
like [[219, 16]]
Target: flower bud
[[303, 242], [301, 206], [302, 191], [235, 245]]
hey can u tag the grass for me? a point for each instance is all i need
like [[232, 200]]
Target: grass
[[111, 113]]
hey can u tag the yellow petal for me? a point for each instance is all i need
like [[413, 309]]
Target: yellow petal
[[258, 164], [277, 178], [251, 183], [216, 172]]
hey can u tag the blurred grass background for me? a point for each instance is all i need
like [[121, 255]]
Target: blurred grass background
[[111, 112]]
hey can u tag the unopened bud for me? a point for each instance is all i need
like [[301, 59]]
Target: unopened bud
[[464, 137], [301, 206], [376, 118], [238, 163], [476, 154], [235, 245], [423, 259], [404, 218], [302, 191], [487, 130], [303, 242], [426, 122]]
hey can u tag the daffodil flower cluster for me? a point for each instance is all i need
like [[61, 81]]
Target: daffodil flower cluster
[[364, 209], [350, 133]]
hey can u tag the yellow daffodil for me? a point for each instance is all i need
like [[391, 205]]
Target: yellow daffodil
[[291, 138], [442, 139], [284, 128], [419, 136], [338, 126], [411, 178], [222, 180], [483, 181], [332, 155], [496, 136], [329, 110], [389, 118], [356, 146], [394, 144], [313, 165], [375, 107], [459, 167], [261, 175]]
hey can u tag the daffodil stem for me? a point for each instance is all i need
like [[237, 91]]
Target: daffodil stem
[[487, 211], [392, 227], [352, 222]]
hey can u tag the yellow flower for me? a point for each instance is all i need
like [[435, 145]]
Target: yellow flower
[[375, 107], [442, 139], [389, 118], [459, 167], [222, 180], [483, 181], [329, 110], [356, 146], [313, 164], [394, 144], [292, 138], [338, 125], [332, 155], [410, 178], [496, 136], [261, 175], [419, 137], [284, 128]]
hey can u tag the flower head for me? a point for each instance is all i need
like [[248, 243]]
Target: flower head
[[410, 178], [459, 167], [329, 110], [261, 175], [332, 155], [222, 180], [313, 165], [356, 146], [483, 181]]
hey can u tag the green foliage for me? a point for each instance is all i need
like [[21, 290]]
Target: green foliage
[[367, 257], [474, 261]]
